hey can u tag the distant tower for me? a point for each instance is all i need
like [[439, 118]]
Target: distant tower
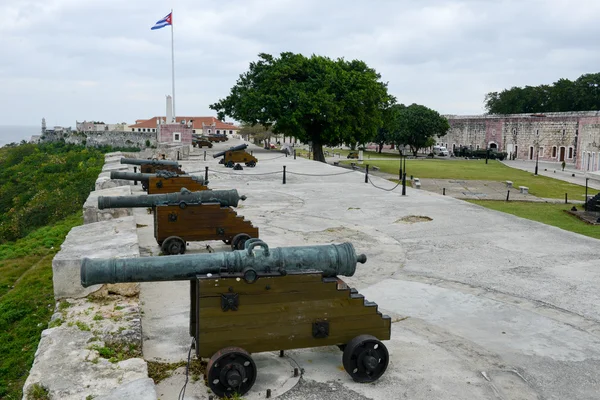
[[170, 110], [43, 125]]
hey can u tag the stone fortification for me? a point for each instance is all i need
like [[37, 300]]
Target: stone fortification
[[92, 348], [103, 138], [573, 137]]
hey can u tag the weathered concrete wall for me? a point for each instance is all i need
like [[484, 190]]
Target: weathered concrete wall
[[106, 239], [558, 136], [91, 212]]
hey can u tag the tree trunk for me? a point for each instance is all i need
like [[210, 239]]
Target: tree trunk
[[317, 149], [380, 147]]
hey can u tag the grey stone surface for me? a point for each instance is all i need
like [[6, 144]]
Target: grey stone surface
[[67, 365], [91, 213], [140, 389], [106, 239], [485, 305], [116, 166], [104, 182]]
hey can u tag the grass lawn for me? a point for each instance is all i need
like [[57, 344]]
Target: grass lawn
[[26, 300], [539, 186], [549, 214]]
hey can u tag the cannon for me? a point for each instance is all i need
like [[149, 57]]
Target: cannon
[[138, 161], [152, 166], [190, 216], [225, 198], [236, 154], [163, 181], [261, 299]]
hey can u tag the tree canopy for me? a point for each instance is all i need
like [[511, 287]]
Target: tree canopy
[[563, 95], [314, 99], [414, 126]]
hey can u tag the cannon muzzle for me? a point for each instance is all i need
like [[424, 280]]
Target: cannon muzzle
[[226, 198], [234, 148], [139, 161], [256, 258]]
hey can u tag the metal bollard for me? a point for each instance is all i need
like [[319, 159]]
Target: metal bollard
[[367, 174], [507, 195], [444, 191], [284, 174], [566, 202], [205, 174], [135, 171], [204, 155], [294, 154]]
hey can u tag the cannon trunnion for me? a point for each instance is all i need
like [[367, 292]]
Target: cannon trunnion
[[260, 299]]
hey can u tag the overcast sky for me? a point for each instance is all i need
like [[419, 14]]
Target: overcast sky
[[69, 60]]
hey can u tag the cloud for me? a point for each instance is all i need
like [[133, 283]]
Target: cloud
[[70, 60]]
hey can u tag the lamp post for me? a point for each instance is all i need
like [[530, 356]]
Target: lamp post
[[404, 177], [537, 151]]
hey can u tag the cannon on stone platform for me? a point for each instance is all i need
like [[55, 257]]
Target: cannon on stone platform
[[152, 166], [190, 216], [163, 181], [261, 299], [236, 154]]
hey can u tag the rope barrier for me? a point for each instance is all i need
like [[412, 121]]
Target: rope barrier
[[269, 159], [387, 190], [233, 173], [341, 173]]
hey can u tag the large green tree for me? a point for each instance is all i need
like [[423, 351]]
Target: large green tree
[[563, 95], [314, 99], [415, 126]]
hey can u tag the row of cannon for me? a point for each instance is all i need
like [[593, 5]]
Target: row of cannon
[[254, 298]]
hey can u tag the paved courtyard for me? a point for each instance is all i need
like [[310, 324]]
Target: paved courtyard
[[484, 305]]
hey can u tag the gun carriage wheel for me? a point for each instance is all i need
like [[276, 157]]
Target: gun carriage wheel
[[251, 164], [229, 164], [365, 358], [239, 241], [230, 370], [173, 245]]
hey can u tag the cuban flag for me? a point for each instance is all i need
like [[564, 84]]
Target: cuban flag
[[163, 22]]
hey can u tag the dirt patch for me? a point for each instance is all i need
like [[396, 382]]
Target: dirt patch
[[412, 219]]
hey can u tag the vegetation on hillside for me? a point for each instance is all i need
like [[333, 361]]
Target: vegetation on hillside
[[42, 191], [582, 94], [42, 184]]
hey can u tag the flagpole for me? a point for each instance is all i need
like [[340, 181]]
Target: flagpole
[[173, 68]]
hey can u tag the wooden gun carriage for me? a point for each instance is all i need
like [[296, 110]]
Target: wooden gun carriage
[[236, 155], [190, 216], [260, 299]]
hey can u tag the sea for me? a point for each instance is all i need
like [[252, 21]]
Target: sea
[[16, 133]]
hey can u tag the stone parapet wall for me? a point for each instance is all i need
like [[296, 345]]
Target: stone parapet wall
[[141, 140], [93, 346]]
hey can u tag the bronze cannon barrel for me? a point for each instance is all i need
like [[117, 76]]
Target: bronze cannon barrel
[[330, 260], [138, 176], [226, 198], [139, 161], [234, 148]]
